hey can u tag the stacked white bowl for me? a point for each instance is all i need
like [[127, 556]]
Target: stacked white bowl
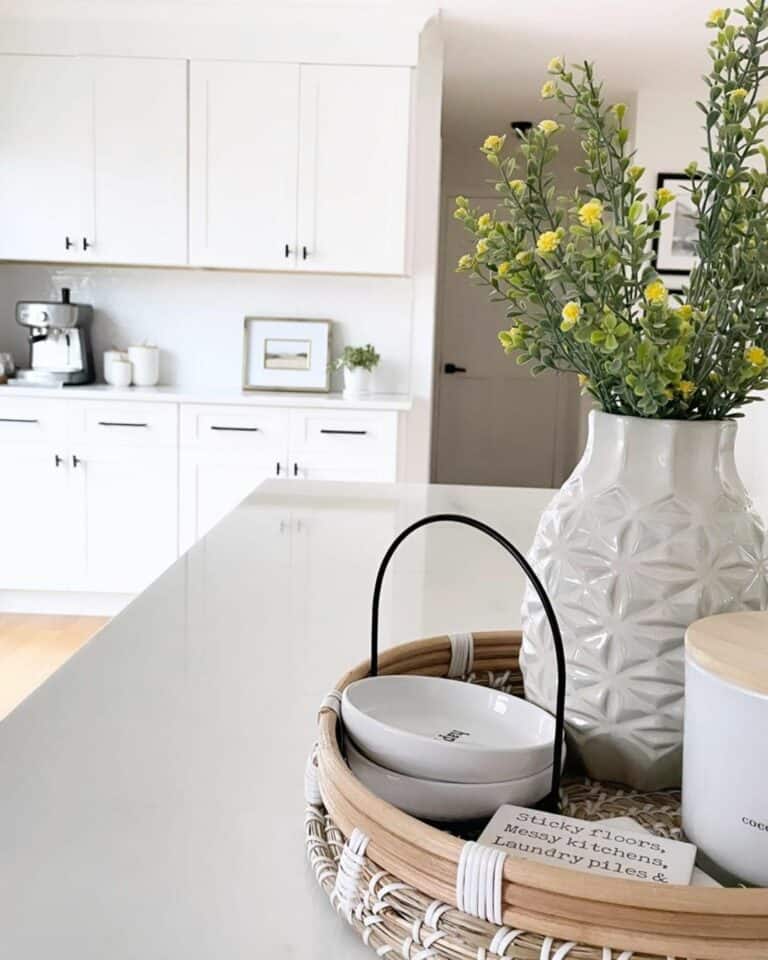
[[445, 750]]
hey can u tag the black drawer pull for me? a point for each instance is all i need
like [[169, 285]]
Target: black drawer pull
[[347, 433], [238, 429], [120, 423], [17, 420]]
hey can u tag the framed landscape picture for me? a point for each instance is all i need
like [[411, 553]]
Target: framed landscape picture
[[674, 250], [283, 354]]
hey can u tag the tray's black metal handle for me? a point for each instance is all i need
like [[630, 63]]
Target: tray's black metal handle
[[551, 802]]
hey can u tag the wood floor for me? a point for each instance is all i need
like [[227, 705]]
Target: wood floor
[[33, 646]]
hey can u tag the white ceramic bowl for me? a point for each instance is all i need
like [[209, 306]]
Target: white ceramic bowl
[[438, 800], [447, 730]]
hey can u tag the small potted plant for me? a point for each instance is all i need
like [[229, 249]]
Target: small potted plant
[[357, 364]]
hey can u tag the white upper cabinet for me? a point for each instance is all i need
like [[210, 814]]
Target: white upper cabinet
[[243, 156], [44, 157], [93, 159], [353, 168], [139, 181], [290, 166]]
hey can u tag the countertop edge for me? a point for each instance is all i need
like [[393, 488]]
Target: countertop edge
[[162, 394]]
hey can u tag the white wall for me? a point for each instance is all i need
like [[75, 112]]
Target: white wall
[[196, 316], [668, 135]]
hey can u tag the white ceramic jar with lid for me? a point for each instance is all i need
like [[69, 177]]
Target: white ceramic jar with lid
[[725, 749]]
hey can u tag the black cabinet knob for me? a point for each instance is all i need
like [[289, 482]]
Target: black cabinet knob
[[68, 244], [452, 368], [86, 244]]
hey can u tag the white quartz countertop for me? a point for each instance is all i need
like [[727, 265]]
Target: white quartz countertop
[[102, 391], [152, 789]]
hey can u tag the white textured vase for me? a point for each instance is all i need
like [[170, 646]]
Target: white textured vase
[[652, 531]]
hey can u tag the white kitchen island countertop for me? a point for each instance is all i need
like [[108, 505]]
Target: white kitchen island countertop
[[152, 789]]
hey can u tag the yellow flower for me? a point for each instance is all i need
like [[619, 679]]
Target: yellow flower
[[524, 257], [517, 185], [584, 380], [548, 90], [636, 171], [737, 95], [591, 213], [484, 222], [571, 313], [460, 213], [717, 18], [656, 292], [549, 126], [684, 313], [548, 242], [462, 201], [663, 197], [465, 263], [555, 65], [503, 268], [493, 144], [756, 357], [685, 388], [481, 247]]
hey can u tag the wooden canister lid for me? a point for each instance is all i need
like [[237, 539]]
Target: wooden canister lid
[[733, 646]]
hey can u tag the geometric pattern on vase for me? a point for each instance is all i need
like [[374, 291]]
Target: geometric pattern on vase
[[627, 576]]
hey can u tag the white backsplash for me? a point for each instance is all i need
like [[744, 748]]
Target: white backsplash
[[196, 316]]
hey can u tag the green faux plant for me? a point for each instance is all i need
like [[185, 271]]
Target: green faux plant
[[357, 357], [576, 271]]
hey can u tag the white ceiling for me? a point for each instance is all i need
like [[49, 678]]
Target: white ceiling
[[497, 51]]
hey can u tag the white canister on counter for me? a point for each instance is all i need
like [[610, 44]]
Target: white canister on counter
[[109, 357], [146, 365], [120, 372], [725, 746]]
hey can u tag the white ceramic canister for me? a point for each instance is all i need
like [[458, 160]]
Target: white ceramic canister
[[725, 747], [146, 365], [120, 372], [109, 357]]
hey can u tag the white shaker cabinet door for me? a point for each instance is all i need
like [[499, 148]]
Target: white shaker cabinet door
[[139, 147], [213, 484], [35, 514], [243, 157], [45, 161], [127, 499], [353, 168]]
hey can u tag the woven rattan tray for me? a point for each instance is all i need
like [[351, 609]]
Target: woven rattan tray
[[395, 878]]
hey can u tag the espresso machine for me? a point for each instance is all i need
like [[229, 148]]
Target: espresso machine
[[59, 342]]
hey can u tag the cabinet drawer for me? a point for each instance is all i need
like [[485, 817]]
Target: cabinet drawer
[[339, 437], [32, 421], [243, 429], [126, 424]]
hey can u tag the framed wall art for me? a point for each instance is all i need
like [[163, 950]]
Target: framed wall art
[[286, 354], [674, 251]]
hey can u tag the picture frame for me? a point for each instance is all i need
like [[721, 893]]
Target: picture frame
[[286, 354], [673, 249]]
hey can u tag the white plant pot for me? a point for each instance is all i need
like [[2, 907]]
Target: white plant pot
[[357, 382], [652, 531]]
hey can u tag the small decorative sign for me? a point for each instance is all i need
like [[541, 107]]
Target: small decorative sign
[[588, 846]]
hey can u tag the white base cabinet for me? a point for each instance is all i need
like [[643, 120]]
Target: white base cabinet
[[91, 494], [102, 496], [226, 451]]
